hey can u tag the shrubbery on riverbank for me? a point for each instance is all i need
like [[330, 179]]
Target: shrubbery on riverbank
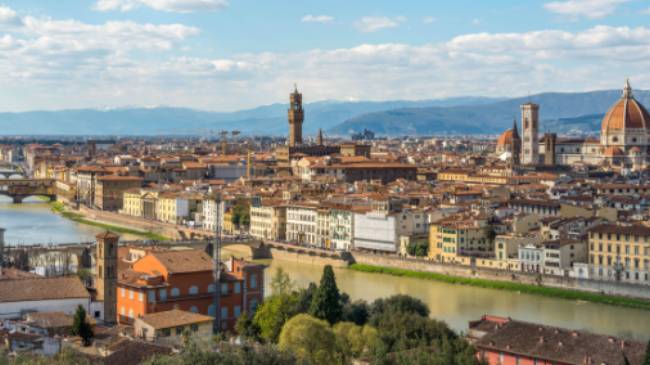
[[512, 286]]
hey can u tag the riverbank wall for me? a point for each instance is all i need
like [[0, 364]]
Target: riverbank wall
[[168, 230], [592, 286], [303, 258]]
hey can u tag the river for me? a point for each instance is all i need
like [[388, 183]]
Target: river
[[455, 304]]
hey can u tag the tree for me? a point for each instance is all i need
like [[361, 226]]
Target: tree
[[310, 339], [81, 327], [327, 299], [85, 262], [246, 328], [355, 341], [355, 312], [281, 283], [419, 248], [399, 303], [647, 355], [305, 297], [196, 353], [209, 248]]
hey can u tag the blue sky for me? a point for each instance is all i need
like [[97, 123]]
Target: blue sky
[[228, 55]]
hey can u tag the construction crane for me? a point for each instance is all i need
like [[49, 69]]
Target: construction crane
[[216, 270]]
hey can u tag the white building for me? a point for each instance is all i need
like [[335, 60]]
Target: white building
[[381, 230], [209, 214], [302, 224]]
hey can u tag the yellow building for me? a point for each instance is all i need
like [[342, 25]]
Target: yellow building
[[132, 203], [268, 221], [620, 253], [172, 207], [455, 241]]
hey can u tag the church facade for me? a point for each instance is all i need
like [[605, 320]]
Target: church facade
[[624, 141]]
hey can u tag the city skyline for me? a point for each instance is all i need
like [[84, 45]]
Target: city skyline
[[224, 56]]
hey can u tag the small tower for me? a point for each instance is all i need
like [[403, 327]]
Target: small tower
[[530, 133], [515, 148], [319, 139], [106, 277], [296, 117]]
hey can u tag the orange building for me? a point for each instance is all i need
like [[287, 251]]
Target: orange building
[[166, 280]]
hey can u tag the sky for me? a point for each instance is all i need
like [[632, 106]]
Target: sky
[[225, 55]]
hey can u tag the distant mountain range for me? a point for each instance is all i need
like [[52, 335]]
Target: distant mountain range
[[560, 112]]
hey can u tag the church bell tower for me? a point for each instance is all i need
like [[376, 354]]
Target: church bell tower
[[296, 117], [106, 276], [530, 134]]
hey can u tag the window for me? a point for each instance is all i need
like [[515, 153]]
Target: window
[[237, 288], [212, 310], [163, 294], [224, 289], [194, 309], [122, 292], [131, 313], [166, 332], [253, 305], [253, 278], [237, 311], [141, 296], [224, 313], [175, 292], [122, 311], [194, 327], [211, 288], [179, 330], [151, 296], [131, 293], [194, 290]]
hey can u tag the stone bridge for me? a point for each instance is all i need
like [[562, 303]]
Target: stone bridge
[[19, 189], [53, 256]]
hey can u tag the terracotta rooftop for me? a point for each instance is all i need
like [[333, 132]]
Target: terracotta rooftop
[[174, 318], [19, 290], [184, 261], [553, 344]]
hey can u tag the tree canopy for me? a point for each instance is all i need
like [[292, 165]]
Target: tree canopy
[[310, 339]]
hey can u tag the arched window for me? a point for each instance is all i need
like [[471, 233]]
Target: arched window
[[614, 139], [194, 290], [175, 292], [211, 288], [194, 309]]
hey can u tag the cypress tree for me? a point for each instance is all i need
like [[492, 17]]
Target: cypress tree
[[81, 327], [326, 303]]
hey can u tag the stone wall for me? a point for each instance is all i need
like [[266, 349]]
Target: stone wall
[[304, 258], [612, 288]]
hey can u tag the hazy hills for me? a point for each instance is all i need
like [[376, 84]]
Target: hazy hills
[[560, 112], [263, 120]]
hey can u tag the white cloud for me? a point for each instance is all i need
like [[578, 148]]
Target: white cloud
[[316, 19], [369, 24], [592, 9], [53, 63], [8, 17], [429, 19], [178, 6]]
